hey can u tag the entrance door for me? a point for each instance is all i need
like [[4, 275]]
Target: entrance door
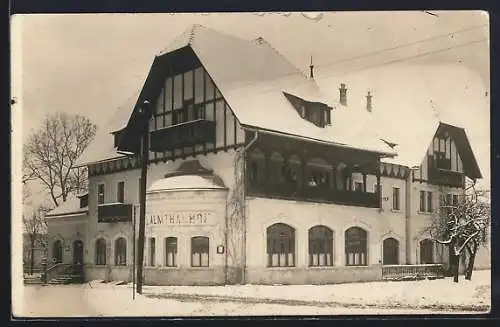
[[78, 256], [426, 251], [391, 251]]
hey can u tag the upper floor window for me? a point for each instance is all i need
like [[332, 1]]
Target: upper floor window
[[395, 199], [116, 136], [429, 202], [120, 192], [426, 201], [422, 201], [256, 165], [316, 113], [100, 193]]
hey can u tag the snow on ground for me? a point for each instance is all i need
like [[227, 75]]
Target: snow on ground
[[375, 298], [476, 292], [440, 294], [118, 302]]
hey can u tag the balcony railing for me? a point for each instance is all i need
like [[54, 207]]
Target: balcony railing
[[315, 194], [114, 212], [446, 177], [399, 272], [198, 131]]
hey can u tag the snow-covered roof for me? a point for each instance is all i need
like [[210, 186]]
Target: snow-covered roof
[[102, 148], [69, 207], [255, 93], [185, 182]]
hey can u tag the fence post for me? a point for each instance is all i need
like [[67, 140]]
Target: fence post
[[44, 270]]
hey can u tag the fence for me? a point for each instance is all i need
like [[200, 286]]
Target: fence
[[396, 272]]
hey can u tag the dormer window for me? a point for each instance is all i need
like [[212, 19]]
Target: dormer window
[[116, 136], [314, 112]]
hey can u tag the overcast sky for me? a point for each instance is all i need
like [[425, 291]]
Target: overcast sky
[[90, 64]]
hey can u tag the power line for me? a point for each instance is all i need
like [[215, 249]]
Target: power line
[[383, 50], [404, 45], [412, 57], [375, 66]]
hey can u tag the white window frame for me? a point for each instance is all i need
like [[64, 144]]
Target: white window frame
[[103, 193], [117, 189], [399, 199]]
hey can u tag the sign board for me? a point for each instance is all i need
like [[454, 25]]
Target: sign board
[[181, 218]]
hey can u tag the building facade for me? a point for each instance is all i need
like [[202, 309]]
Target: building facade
[[254, 177]]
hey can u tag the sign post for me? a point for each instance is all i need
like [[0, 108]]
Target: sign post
[[133, 253], [144, 156]]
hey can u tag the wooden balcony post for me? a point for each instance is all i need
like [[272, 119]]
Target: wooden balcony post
[[378, 186], [364, 182]]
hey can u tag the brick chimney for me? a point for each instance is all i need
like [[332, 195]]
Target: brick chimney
[[311, 69], [369, 102], [343, 95]]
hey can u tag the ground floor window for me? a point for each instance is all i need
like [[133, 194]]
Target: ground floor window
[[121, 252], [356, 246], [57, 251], [426, 251], [152, 251], [390, 251], [100, 252], [281, 245], [199, 251], [171, 251], [320, 246]]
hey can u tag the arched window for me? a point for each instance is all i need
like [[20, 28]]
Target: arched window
[[318, 173], [341, 176], [390, 251], [292, 170], [100, 252], [256, 169], [356, 246], [426, 251], [276, 166], [281, 245], [171, 251], [200, 251], [320, 246], [121, 252], [57, 252]]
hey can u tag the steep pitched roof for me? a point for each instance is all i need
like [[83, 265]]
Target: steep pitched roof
[[409, 123], [70, 206], [252, 77], [102, 147]]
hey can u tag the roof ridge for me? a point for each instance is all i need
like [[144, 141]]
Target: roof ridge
[[262, 41]]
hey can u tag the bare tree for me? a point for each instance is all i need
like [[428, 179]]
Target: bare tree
[[35, 227], [51, 152], [462, 224]]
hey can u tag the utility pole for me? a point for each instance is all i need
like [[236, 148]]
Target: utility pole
[[144, 156]]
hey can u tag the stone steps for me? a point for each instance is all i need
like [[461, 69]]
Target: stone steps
[[66, 279], [32, 281]]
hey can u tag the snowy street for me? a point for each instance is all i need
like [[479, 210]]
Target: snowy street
[[419, 297]]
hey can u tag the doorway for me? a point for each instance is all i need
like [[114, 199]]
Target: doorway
[[78, 256], [391, 251]]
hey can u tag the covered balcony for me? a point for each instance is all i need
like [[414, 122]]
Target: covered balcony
[[316, 175], [114, 212], [189, 133], [446, 177]]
